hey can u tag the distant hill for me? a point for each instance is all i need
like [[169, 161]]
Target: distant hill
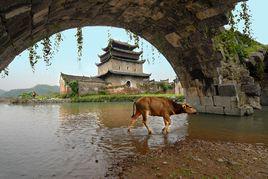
[[2, 92], [39, 89]]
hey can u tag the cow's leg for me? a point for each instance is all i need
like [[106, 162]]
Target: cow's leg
[[133, 120], [144, 120], [167, 123]]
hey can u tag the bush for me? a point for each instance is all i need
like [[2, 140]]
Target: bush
[[102, 92], [74, 86], [165, 86], [234, 44], [27, 95]]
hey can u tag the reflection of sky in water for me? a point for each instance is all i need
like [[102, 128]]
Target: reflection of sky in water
[[82, 140]]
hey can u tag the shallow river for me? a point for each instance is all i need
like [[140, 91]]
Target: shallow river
[[84, 140]]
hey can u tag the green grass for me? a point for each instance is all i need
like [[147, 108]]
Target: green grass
[[25, 97], [121, 97]]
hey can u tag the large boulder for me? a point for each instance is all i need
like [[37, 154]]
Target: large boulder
[[255, 64]]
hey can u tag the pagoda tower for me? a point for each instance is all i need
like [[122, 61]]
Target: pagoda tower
[[120, 65]]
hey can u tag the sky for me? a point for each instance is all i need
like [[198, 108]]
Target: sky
[[96, 38]]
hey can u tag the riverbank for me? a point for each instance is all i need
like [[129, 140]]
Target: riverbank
[[194, 158], [92, 98], [38, 101], [122, 97]]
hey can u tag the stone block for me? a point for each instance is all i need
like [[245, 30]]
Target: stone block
[[157, 16], [173, 39], [17, 11], [200, 108], [40, 16], [227, 90], [232, 111], [234, 104], [208, 13], [252, 89], [194, 100], [191, 92], [207, 101], [214, 109], [238, 111], [224, 101], [247, 80]]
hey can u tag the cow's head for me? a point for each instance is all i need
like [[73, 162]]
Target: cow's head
[[188, 109]]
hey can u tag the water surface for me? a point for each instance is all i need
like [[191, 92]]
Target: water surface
[[84, 140]]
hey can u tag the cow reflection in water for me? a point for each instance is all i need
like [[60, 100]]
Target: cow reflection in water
[[142, 145], [158, 106]]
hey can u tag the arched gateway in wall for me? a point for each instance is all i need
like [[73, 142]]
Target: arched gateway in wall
[[180, 29]]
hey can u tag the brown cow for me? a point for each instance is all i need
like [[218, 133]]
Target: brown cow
[[158, 106]]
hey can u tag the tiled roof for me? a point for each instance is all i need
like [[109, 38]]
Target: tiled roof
[[125, 74], [69, 78], [121, 59], [115, 43], [111, 51]]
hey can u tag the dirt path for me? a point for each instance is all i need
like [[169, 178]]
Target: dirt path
[[200, 159]]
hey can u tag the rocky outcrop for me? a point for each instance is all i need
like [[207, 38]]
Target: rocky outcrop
[[264, 90], [264, 83], [257, 64]]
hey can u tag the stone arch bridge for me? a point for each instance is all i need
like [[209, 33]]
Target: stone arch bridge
[[180, 29]]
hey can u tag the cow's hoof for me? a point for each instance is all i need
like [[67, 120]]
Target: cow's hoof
[[150, 132], [164, 131]]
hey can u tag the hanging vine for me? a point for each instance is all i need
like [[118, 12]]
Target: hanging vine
[[232, 21], [129, 34], [142, 48], [33, 57], [4, 72], [246, 16], [47, 51], [147, 56], [242, 15], [79, 40], [136, 39], [57, 41], [153, 53], [109, 36], [158, 54], [233, 42]]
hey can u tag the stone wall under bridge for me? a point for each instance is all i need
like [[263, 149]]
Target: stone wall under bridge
[[224, 99], [181, 30]]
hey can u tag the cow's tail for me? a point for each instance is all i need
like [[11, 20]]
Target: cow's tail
[[134, 105]]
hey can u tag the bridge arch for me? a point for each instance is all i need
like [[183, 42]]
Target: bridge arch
[[180, 30]]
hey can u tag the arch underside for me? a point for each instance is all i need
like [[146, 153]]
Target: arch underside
[[181, 30]]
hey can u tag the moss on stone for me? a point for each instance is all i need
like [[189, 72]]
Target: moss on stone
[[236, 46]]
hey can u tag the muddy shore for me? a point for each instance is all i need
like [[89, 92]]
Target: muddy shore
[[192, 158]]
